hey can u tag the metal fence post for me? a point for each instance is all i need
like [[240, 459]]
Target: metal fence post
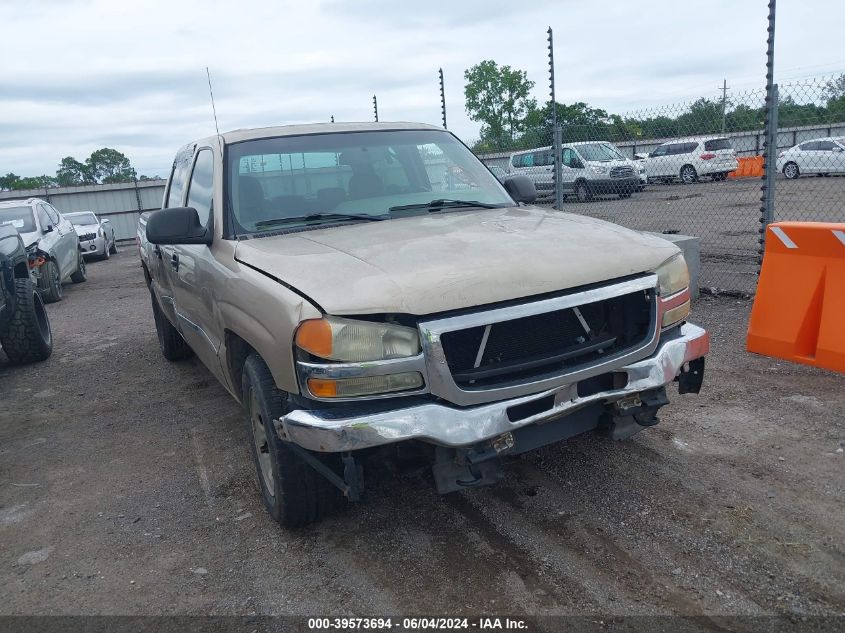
[[556, 140], [767, 210]]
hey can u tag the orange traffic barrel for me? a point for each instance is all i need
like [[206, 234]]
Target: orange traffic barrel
[[799, 308]]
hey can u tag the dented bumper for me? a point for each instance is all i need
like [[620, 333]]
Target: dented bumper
[[334, 430]]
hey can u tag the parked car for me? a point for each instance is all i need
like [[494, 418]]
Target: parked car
[[50, 240], [25, 334], [687, 159], [588, 169], [96, 236], [358, 309], [818, 156]]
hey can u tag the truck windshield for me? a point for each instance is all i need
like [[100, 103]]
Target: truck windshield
[[294, 182], [19, 217], [82, 219]]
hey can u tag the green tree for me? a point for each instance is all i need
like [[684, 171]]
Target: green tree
[[8, 181], [35, 182], [834, 89], [497, 97], [107, 165], [71, 172]]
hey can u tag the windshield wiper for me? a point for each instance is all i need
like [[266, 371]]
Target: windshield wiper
[[445, 203], [361, 217]]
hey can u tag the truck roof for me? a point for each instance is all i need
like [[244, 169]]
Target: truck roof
[[236, 136]]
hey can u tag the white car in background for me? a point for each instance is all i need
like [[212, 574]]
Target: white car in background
[[818, 156], [687, 159], [96, 237]]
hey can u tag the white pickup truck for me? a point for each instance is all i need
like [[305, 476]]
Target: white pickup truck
[[371, 291]]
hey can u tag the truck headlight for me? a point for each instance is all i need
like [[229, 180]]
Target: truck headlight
[[348, 340], [673, 275], [597, 169], [673, 278]]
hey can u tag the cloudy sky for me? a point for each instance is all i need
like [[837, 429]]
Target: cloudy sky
[[83, 74]]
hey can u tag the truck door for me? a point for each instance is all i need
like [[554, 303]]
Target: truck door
[[194, 269], [161, 259], [568, 168]]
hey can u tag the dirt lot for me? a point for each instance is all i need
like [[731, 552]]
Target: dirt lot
[[126, 488], [725, 215]]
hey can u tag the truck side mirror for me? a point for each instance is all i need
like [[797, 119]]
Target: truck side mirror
[[179, 225], [521, 188]]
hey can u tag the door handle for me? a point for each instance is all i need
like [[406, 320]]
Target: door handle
[[174, 261]]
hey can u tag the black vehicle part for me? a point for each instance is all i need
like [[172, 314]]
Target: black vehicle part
[[630, 415], [691, 377], [459, 468], [27, 337]]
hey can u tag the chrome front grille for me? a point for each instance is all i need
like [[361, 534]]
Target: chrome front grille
[[512, 351], [87, 236], [622, 172]]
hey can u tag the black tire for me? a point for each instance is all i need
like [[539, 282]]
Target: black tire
[[81, 274], [113, 247], [294, 493], [28, 338], [791, 171], [583, 192], [50, 283], [688, 175], [173, 346]]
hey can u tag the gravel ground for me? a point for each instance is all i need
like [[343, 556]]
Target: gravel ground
[[725, 215], [126, 488]]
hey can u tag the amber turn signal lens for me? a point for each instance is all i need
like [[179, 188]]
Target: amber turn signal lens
[[322, 388], [315, 337]]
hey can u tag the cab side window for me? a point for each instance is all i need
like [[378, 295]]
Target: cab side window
[[201, 187], [570, 159], [826, 146]]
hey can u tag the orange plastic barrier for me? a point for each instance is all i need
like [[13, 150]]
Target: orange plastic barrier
[[748, 167], [799, 309]]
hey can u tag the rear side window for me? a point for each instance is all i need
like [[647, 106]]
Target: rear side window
[[54, 215], [179, 176], [682, 148], [717, 144], [201, 188], [810, 146]]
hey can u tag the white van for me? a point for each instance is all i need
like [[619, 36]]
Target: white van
[[588, 168]]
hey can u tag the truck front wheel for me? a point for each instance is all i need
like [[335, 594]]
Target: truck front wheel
[[293, 492]]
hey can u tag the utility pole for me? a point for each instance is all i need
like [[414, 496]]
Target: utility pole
[[375, 107], [724, 90], [442, 99]]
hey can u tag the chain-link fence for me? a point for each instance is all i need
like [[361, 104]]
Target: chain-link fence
[[695, 169]]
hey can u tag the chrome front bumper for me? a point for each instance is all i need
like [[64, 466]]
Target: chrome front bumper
[[333, 430]]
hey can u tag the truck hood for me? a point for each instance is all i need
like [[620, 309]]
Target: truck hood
[[446, 261], [30, 238]]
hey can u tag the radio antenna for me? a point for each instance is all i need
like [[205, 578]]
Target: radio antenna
[[214, 110]]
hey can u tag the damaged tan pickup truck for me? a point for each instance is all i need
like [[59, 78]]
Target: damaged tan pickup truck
[[372, 292]]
